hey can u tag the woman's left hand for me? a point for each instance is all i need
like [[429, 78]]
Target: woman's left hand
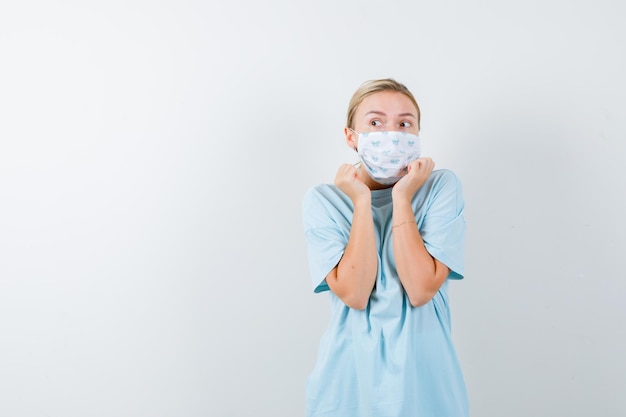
[[418, 172]]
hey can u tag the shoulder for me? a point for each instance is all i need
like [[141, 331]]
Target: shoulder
[[325, 205], [325, 197], [324, 193], [444, 177], [444, 181], [320, 190], [444, 191]]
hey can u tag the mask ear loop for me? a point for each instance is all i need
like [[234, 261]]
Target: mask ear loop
[[357, 165], [356, 133]]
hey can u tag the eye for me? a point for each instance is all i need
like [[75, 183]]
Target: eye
[[376, 123], [405, 124]]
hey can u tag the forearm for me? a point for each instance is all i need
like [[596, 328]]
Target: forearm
[[355, 275], [421, 275]]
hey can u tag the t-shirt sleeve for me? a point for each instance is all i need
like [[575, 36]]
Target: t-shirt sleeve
[[325, 237], [443, 228]]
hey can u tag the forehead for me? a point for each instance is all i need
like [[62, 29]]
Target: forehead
[[389, 102]]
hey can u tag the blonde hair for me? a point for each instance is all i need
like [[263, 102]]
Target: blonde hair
[[374, 86]]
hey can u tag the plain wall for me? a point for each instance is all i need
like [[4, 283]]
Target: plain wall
[[153, 160]]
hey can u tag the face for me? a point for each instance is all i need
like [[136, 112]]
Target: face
[[383, 111]]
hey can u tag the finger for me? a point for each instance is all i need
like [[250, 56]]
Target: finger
[[344, 169], [427, 163]]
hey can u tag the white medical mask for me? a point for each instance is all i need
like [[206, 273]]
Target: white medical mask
[[386, 155]]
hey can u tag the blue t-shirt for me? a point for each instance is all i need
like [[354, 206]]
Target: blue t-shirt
[[390, 359]]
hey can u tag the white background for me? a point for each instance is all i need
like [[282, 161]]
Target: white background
[[153, 159]]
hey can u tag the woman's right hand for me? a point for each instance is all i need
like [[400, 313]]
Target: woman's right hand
[[348, 181]]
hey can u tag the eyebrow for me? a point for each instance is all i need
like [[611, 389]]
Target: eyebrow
[[384, 114]]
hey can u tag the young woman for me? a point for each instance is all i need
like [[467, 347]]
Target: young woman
[[384, 240]]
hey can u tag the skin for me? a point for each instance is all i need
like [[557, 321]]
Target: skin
[[421, 275]]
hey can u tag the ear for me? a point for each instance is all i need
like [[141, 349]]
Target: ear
[[352, 139]]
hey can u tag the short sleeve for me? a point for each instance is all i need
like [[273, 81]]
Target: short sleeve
[[327, 217], [443, 227]]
